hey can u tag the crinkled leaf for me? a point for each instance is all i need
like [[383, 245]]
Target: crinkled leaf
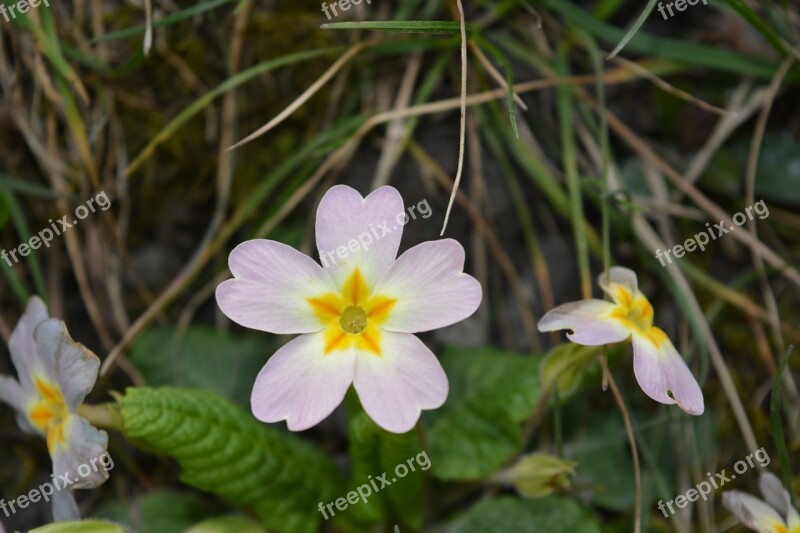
[[375, 451], [223, 450], [547, 515], [203, 358], [160, 510], [479, 428]]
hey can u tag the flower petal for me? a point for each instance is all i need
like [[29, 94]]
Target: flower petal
[[660, 369], [774, 492], [620, 276], [79, 455], [752, 512], [271, 285], [430, 288], [302, 385], [12, 393], [23, 348], [396, 385], [590, 321], [65, 508], [353, 231], [778, 497], [75, 365]]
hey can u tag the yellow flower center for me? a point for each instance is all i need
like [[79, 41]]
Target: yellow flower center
[[49, 413], [636, 313], [352, 317]]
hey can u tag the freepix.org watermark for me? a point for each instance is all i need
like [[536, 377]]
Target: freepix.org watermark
[[717, 230], [704, 488], [344, 5], [60, 482], [375, 233], [48, 234], [21, 7], [680, 5], [367, 489]]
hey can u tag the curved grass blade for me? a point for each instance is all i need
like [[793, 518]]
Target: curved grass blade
[[166, 21], [634, 29], [395, 26], [777, 425], [687, 53]]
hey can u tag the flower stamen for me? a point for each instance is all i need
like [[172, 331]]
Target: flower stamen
[[354, 319]]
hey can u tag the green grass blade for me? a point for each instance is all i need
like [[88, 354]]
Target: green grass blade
[[685, 52], [501, 58], [396, 26], [234, 81], [24, 234], [166, 21], [755, 20], [566, 119], [777, 425], [634, 29]]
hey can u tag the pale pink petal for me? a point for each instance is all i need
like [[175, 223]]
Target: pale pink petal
[[778, 497], [774, 492], [589, 320], [301, 384], [397, 384], [752, 512], [12, 393], [661, 369], [620, 276], [26, 359], [75, 365], [271, 285], [65, 508], [430, 288], [79, 456], [353, 231]]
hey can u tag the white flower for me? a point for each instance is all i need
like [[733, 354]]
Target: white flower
[[55, 374]]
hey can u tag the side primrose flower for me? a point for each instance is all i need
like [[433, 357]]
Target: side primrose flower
[[55, 374], [659, 368], [356, 316], [776, 515]]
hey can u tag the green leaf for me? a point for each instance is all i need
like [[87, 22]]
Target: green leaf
[[604, 463], [550, 515], [565, 366], [478, 429], [86, 526], [375, 451], [223, 450], [160, 510], [204, 358], [227, 524]]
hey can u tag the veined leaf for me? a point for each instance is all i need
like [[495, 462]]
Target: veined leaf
[[375, 451], [550, 515], [223, 450], [479, 428]]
